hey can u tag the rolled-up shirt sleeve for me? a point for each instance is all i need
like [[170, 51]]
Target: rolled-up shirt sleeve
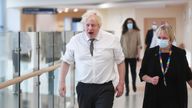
[[68, 57], [118, 52]]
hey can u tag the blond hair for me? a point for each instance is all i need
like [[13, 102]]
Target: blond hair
[[90, 13], [168, 30]]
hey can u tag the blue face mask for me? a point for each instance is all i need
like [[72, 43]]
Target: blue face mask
[[163, 43], [130, 25]]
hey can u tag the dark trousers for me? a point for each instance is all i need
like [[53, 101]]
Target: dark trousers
[[132, 62], [95, 95]]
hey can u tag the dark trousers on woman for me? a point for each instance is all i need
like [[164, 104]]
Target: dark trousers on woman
[[132, 62], [95, 95]]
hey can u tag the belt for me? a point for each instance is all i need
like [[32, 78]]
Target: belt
[[106, 83]]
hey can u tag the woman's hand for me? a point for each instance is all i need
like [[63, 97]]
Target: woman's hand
[[154, 80]]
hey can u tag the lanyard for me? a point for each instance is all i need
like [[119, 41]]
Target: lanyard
[[164, 71]]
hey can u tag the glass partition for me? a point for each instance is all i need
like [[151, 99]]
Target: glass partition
[[24, 52], [9, 68], [51, 50], [27, 60]]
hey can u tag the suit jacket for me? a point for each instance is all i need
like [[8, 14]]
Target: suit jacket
[[174, 95], [148, 38]]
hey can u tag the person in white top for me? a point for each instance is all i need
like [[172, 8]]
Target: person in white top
[[95, 53]]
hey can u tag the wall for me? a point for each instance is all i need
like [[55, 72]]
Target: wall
[[2, 15], [60, 18], [166, 12], [45, 22], [188, 23], [188, 31], [13, 20], [114, 18], [28, 22]]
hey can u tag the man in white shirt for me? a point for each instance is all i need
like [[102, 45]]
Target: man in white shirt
[[95, 53]]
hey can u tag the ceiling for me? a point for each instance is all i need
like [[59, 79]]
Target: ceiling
[[92, 4]]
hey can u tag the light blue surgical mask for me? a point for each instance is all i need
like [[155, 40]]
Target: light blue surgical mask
[[130, 25], [163, 43]]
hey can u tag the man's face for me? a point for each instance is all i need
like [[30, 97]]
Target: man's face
[[92, 27]]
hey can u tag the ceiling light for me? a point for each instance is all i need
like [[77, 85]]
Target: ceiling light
[[66, 10], [105, 5], [75, 10], [59, 10]]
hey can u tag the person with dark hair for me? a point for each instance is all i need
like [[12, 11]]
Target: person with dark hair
[[131, 45], [165, 70]]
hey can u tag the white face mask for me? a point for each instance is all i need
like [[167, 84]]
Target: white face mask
[[154, 27], [130, 25], [163, 43]]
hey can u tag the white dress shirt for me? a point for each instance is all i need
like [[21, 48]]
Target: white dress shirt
[[98, 68]]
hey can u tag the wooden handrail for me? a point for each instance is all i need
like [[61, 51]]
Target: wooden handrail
[[29, 75]]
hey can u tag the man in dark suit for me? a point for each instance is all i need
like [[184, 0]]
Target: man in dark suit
[[150, 34]]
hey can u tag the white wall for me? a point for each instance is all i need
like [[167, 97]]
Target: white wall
[[13, 19], [188, 31], [46, 22], [113, 18], [2, 15]]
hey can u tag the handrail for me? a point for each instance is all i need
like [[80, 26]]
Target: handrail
[[29, 75]]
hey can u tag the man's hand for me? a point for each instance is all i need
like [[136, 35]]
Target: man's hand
[[62, 89], [119, 89]]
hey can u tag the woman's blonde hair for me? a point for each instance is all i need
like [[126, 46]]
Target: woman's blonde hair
[[90, 13], [168, 30]]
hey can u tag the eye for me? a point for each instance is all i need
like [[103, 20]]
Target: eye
[[163, 38]]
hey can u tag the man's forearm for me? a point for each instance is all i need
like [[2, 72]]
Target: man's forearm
[[64, 71], [121, 70]]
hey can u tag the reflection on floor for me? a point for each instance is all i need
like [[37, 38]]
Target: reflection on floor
[[134, 100]]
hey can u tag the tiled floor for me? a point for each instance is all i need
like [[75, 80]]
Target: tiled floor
[[134, 100]]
